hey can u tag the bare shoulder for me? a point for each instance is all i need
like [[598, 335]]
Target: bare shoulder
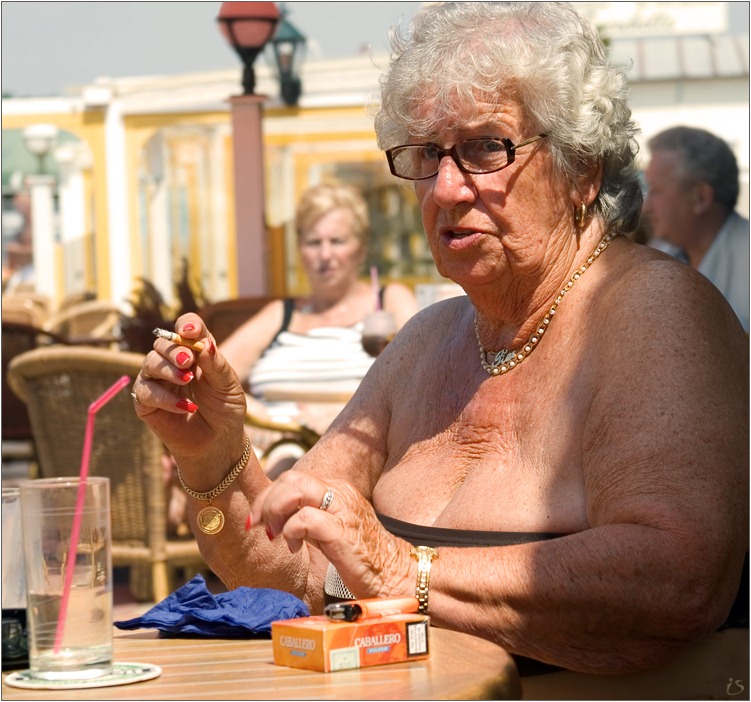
[[664, 329], [246, 344], [424, 335], [667, 422], [267, 318], [661, 306], [420, 331]]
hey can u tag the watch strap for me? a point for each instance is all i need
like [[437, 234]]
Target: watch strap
[[424, 556]]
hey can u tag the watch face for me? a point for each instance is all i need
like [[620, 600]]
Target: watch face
[[425, 552]]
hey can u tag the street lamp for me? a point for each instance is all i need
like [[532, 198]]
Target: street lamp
[[247, 26], [288, 44], [40, 139]]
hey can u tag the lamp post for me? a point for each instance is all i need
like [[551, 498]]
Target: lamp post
[[248, 26]]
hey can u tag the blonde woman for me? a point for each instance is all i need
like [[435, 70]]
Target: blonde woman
[[314, 343]]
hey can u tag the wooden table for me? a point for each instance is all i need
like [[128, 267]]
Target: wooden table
[[460, 666]]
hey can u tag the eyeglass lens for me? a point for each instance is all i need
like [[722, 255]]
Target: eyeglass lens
[[473, 155]]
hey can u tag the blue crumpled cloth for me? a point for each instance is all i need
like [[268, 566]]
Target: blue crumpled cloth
[[242, 613]]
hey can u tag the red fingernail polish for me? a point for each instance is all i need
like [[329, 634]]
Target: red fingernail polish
[[247, 524], [269, 534], [212, 349], [185, 376], [189, 327], [185, 404], [182, 357]]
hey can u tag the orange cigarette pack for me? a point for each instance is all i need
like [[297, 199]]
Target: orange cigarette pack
[[318, 643]]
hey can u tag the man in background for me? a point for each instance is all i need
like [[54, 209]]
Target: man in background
[[692, 181]]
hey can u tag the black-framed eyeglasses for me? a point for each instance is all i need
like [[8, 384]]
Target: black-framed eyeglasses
[[475, 156]]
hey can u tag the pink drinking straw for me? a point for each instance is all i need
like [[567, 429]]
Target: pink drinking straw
[[94, 407], [376, 287]]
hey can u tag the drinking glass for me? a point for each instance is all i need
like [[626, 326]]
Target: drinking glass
[[68, 577], [379, 328]]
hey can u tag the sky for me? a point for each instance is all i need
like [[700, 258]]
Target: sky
[[48, 47]]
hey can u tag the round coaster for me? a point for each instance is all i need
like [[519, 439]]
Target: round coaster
[[122, 674]]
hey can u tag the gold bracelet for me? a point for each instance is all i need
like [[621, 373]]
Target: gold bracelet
[[210, 519], [424, 556]]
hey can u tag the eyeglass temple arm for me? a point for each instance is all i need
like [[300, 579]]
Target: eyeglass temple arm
[[529, 141]]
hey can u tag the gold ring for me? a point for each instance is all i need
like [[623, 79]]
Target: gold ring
[[328, 498]]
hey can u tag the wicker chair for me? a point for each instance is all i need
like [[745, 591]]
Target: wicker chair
[[93, 322], [17, 436], [58, 384]]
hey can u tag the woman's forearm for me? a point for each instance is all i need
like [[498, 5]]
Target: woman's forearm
[[583, 602], [240, 553]]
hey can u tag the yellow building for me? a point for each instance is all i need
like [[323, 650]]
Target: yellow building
[[154, 167]]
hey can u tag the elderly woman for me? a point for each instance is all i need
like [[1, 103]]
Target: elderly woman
[[556, 462]]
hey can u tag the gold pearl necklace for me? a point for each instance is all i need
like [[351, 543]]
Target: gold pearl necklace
[[505, 360]]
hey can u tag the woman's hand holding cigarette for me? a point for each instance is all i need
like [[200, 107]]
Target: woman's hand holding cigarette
[[175, 338], [188, 394]]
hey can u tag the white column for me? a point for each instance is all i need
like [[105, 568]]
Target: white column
[[160, 253], [43, 234], [155, 235], [71, 159], [120, 266], [216, 281]]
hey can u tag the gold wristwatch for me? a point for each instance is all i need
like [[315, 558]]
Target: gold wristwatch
[[424, 556]]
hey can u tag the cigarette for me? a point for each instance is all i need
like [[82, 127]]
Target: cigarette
[[177, 339], [370, 608]]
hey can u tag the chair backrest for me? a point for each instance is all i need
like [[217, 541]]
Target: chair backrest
[[222, 318], [76, 298], [58, 384], [93, 319], [17, 338], [25, 309]]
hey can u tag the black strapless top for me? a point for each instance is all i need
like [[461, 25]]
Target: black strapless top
[[419, 535]]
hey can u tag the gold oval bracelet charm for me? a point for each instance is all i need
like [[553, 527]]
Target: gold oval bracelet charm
[[210, 520]]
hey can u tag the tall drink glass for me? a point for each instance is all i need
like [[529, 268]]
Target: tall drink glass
[[68, 590], [379, 328]]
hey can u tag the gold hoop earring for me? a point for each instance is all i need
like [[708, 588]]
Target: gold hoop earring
[[580, 215]]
